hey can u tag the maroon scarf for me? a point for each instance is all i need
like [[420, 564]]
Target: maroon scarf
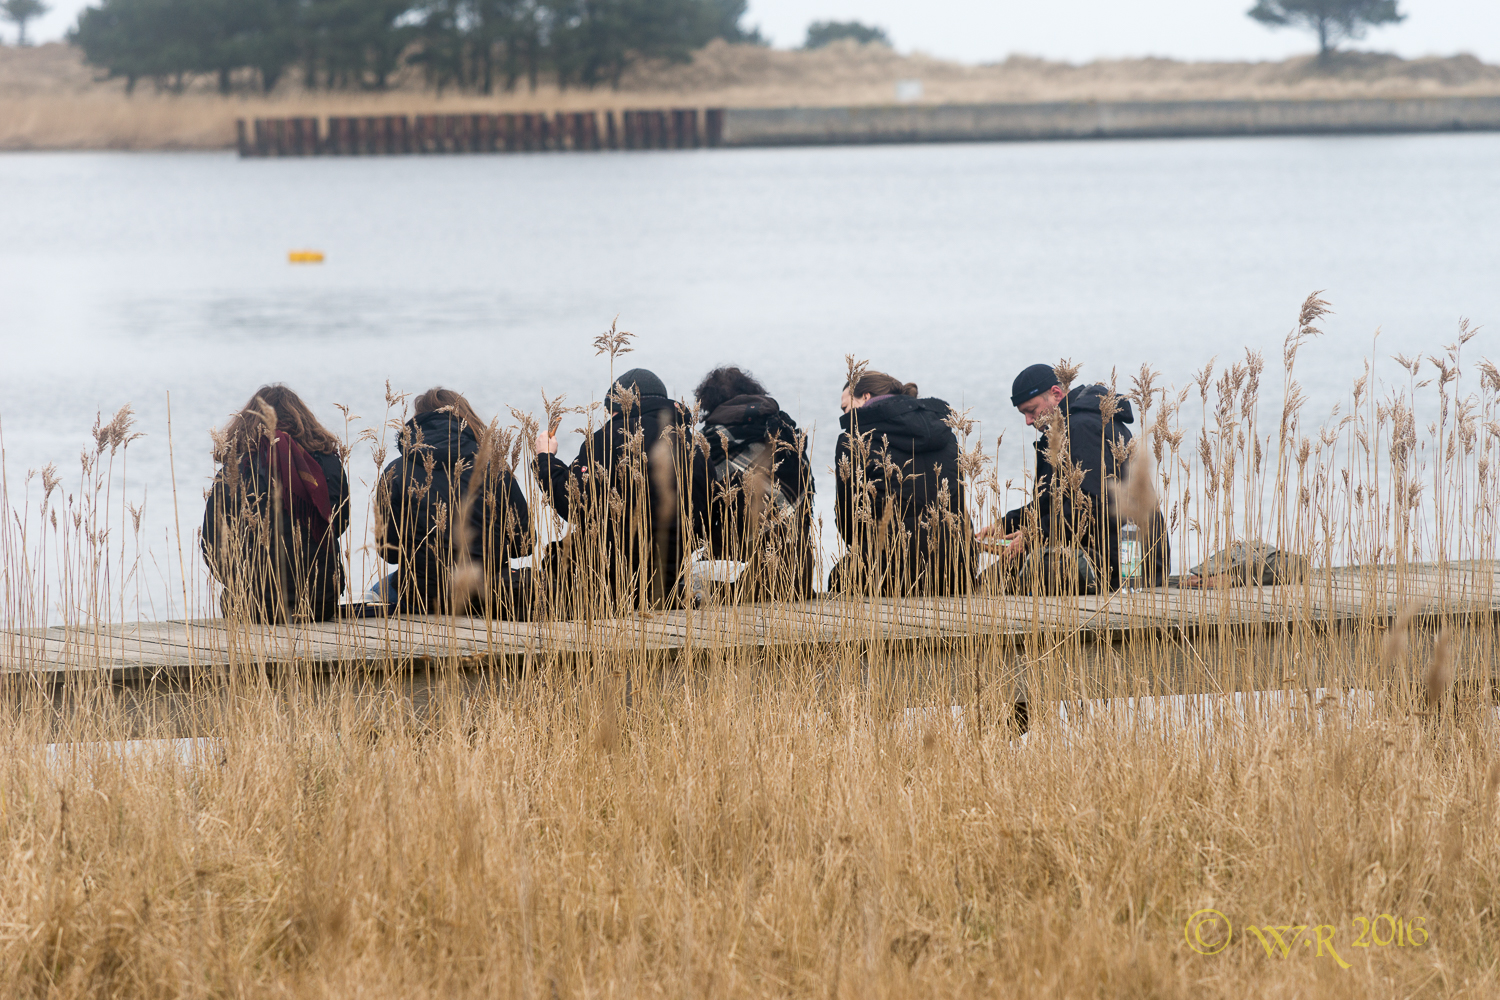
[[304, 488]]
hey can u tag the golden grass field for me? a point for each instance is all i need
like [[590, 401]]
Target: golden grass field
[[50, 100], [748, 832], [819, 822]]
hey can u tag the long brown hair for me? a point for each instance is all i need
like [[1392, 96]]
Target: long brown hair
[[880, 384], [438, 398], [292, 416]]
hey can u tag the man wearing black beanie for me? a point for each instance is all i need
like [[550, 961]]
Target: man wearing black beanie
[[1035, 392], [1085, 436]]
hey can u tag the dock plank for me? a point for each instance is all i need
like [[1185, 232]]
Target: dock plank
[[1346, 594], [20, 653]]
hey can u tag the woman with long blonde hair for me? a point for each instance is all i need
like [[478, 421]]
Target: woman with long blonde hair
[[277, 509]]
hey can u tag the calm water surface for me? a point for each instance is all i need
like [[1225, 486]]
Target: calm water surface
[[126, 277]]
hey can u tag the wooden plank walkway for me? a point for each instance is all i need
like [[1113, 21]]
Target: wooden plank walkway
[[145, 650]]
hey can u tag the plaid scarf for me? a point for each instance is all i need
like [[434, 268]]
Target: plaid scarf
[[304, 488]]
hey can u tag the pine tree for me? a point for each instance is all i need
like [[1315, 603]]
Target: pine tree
[[18, 12], [1332, 21]]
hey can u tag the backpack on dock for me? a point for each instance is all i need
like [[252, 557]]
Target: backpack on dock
[[1248, 563]]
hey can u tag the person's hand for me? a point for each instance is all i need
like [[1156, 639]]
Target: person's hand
[[546, 443], [990, 531], [1016, 549]]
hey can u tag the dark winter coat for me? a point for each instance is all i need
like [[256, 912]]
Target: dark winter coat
[[271, 567], [900, 502], [636, 500], [749, 438], [1088, 522], [421, 499]]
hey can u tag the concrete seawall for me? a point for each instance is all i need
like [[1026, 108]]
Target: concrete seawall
[[1102, 120]]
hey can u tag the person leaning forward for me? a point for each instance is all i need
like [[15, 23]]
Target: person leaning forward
[[762, 489], [452, 515], [900, 502], [635, 499], [1083, 431]]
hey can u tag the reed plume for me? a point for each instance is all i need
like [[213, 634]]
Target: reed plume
[[752, 794]]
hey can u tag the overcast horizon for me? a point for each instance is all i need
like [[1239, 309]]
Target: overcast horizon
[[975, 31]]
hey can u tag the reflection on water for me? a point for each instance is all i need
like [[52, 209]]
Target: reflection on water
[[126, 277], [293, 319]]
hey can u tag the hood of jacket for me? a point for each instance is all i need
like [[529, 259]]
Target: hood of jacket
[[1086, 399], [910, 426], [744, 420], [744, 410], [442, 434]]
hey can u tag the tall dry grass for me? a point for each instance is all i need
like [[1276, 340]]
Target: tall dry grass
[[836, 810], [742, 831]]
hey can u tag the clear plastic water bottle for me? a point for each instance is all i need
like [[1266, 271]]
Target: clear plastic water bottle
[[1130, 555]]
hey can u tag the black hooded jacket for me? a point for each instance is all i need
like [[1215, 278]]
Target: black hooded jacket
[[752, 435], [635, 509], [421, 500], [1092, 523], [900, 501], [281, 574]]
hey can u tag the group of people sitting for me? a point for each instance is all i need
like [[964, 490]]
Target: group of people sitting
[[655, 486]]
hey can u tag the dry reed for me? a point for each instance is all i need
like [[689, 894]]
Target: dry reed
[[827, 813]]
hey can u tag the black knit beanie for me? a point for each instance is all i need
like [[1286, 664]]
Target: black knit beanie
[[1032, 382], [642, 382]]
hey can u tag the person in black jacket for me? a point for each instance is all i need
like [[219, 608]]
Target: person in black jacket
[[900, 501], [1085, 430], [451, 515], [635, 499], [276, 511], [762, 491]]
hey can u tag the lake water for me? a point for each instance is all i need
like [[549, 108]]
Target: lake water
[[126, 277]]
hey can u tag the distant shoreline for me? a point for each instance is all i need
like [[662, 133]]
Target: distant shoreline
[[50, 100], [692, 128], [1055, 121]]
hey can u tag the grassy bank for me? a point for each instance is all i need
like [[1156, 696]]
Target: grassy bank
[[50, 100], [751, 832]]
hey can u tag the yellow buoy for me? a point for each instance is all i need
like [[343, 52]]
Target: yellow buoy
[[305, 257]]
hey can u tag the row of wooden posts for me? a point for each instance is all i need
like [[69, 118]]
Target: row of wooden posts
[[383, 135]]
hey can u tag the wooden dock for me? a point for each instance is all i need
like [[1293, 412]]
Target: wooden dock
[[528, 132], [146, 652]]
